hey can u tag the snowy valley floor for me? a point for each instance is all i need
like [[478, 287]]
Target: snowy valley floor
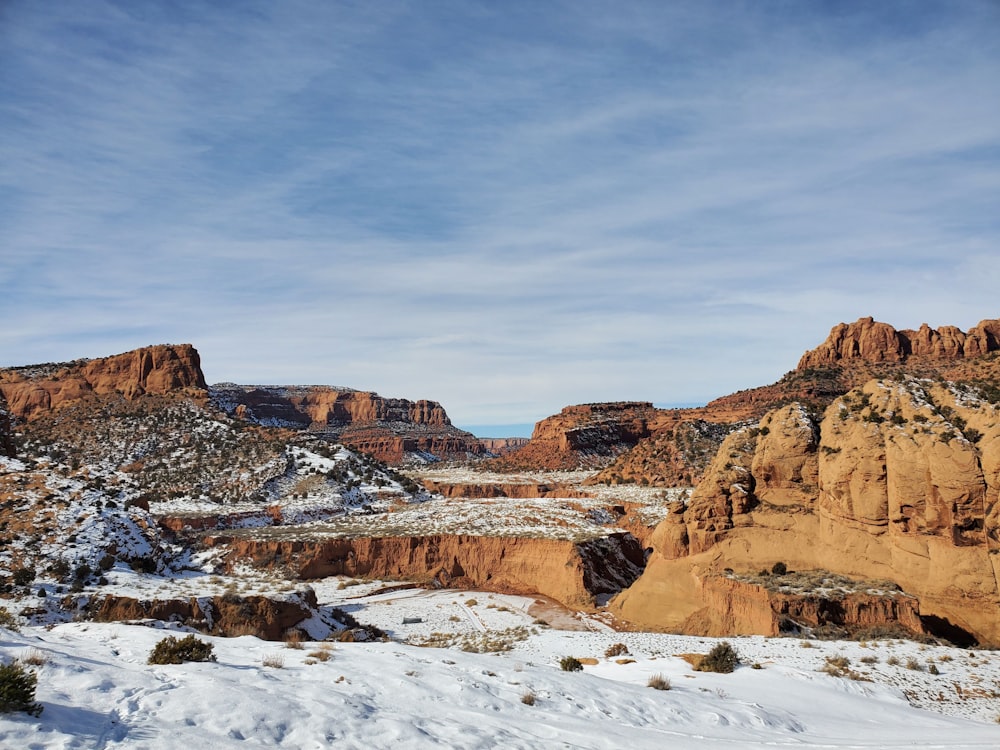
[[99, 692]]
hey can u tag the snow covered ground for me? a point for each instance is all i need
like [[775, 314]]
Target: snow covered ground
[[98, 691]]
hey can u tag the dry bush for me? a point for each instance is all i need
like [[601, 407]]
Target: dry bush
[[616, 649], [528, 698], [659, 682], [34, 657], [293, 639], [570, 664], [275, 661]]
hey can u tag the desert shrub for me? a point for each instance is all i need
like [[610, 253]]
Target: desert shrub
[[933, 669], [528, 698], [17, 690], [275, 661], [616, 649], [9, 621], [659, 682], [722, 658], [779, 569], [293, 639], [892, 661], [24, 576], [570, 664], [869, 660], [913, 664], [172, 650]]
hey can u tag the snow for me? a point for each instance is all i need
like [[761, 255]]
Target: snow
[[98, 691]]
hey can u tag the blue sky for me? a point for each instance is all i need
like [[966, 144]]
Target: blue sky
[[504, 206]]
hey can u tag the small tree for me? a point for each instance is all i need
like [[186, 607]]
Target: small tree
[[779, 569], [17, 690]]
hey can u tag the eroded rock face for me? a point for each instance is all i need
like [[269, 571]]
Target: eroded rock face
[[735, 607], [40, 389], [584, 435], [898, 480], [6, 436], [505, 489], [872, 341], [569, 572], [388, 428], [226, 615]]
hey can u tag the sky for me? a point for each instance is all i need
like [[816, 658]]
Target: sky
[[507, 207]]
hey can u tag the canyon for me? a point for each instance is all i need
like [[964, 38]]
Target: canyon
[[877, 459]]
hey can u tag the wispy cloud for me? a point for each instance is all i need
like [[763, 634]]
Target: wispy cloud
[[505, 207]]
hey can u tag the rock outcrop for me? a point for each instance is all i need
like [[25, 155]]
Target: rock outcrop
[[871, 341], [897, 480], [851, 355], [503, 489], [569, 572], [589, 435], [40, 389], [737, 607], [226, 615], [391, 429], [6, 434], [499, 446]]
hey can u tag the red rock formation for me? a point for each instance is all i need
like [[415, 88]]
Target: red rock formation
[[505, 489], [870, 341], [499, 446], [32, 391], [391, 429], [585, 435], [569, 572]]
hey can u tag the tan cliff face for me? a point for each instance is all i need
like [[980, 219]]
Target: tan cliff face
[[851, 355], [569, 572], [157, 370], [897, 480]]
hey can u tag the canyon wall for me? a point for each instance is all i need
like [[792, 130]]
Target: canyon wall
[[40, 389], [569, 572], [588, 435], [898, 480], [391, 429]]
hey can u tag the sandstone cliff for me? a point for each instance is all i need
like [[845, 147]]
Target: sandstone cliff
[[390, 429], [569, 572], [897, 480], [851, 355], [40, 389], [871, 341], [499, 446], [589, 435]]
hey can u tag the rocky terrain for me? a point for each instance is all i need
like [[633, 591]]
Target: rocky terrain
[[897, 480], [391, 430], [672, 447], [874, 465]]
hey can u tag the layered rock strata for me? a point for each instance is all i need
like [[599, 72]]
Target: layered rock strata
[[390, 429], [897, 480], [40, 389], [572, 573]]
